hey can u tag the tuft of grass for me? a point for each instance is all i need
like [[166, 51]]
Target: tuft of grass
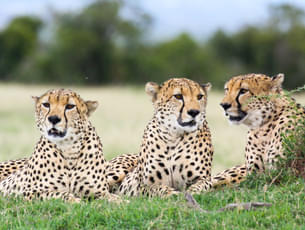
[[294, 148], [286, 170]]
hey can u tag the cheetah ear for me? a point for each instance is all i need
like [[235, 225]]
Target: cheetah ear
[[91, 107], [277, 81], [206, 87], [152, 90], [35, 99]]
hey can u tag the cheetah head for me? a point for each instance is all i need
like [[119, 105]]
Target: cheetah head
[[61, 114], [245, 100], [179, 103]]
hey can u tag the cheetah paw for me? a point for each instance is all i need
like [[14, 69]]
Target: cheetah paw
[[115, 199], [72, 199]]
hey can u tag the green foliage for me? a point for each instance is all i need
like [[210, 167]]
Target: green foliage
[[98, 45], [294, 147]]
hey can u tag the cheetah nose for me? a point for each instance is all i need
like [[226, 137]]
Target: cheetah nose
[[54, 119], [193, 112], [225, 106]]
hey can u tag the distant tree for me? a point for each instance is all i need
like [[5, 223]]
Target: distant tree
[[88, 46], [277, 46], [289, 48], [180, 57], [286, 16], [17, 41]]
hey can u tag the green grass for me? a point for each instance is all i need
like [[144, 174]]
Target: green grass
[[287, 211]]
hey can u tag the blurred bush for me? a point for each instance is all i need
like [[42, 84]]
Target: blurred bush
[[99, 46]]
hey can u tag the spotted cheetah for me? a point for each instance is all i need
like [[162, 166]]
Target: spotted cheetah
[[68, 161], [176, 151], [258, 101]]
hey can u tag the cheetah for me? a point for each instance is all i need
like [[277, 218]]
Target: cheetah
[[176, 150], [68, 162], [258, 101]]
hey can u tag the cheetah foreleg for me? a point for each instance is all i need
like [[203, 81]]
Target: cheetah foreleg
[[159, 190], [231, 176], [200, 186]]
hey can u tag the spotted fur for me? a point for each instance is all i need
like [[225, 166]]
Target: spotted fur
[[9, 167], [116, 169]]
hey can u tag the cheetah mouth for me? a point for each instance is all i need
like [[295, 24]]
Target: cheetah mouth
[[235, 118], [238, 118], [56, 133], [189, 123]]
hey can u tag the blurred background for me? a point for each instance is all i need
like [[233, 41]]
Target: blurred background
[[132, 41], [108, 49]]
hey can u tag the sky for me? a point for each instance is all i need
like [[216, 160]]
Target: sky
[[170, 17]]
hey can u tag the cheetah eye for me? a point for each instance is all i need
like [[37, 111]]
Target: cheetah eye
[[70, 106], [46, 105], [199, 96], [243, 91], [178, 96]]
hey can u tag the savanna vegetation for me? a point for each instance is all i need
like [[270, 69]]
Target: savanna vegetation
[[99, 45]]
